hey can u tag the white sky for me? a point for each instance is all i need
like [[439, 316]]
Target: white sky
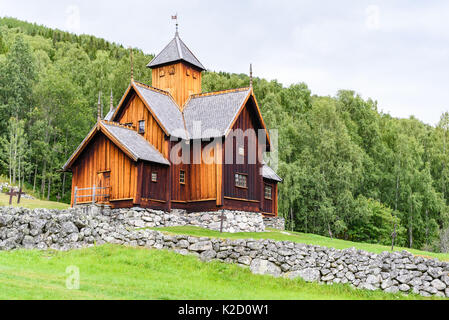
[[396, 52]]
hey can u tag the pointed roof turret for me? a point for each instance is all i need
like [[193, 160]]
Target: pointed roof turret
[[175, 51]]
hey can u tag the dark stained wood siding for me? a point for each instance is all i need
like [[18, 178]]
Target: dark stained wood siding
[[268, 205], [154, 190], [246, 120], [179, 192]]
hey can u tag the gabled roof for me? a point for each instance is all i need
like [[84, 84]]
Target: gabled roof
[[175, 51], [269, 174], [137, 145], [214, 112], [164, 109], [127, 140]]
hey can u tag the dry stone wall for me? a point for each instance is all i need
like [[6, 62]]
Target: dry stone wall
[[275, 223], [233, 221], [75, 228]]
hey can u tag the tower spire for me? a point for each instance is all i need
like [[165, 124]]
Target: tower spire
[[132, 63], [99, 113], [175, 17], [251, 75]]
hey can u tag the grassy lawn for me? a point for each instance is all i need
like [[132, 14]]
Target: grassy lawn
[[31, 204], [116, 272], [300, 238]]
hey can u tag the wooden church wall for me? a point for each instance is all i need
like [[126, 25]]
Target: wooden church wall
[[180, 193], [135, 111], [252, 194], [153, 194], [104, 164], [200, 179], [269, 204]]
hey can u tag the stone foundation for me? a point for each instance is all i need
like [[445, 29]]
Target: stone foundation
[[275, 223], [74, 228]]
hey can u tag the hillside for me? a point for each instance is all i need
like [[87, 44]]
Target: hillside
[[350, 171]]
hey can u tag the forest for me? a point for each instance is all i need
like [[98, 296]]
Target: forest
[[350, 171]]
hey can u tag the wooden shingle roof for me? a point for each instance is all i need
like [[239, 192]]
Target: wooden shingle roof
[[213, 113], [128, 140], [137, 145], [270, 174]]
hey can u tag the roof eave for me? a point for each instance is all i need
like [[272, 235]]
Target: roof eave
[[152, 65]]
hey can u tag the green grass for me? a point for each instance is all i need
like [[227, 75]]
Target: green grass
[[31, 204], [117, 272], [300, 238]]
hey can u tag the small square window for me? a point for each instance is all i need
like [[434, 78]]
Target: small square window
[[154, 176], [142, 126], [182, 177], [241, 181], [268, 193]]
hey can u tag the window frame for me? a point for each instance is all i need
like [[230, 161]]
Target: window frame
[[271, 192], [154, 180], [243, 175], [182, 174], [140, 130]]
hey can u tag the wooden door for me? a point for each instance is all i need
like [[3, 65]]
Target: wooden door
[[103, 187]]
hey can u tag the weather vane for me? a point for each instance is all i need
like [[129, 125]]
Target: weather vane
[[175, 17]]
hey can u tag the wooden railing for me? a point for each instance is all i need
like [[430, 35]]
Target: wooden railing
[[94, 195]]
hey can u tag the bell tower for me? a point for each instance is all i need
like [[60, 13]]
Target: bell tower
[[178, 71]]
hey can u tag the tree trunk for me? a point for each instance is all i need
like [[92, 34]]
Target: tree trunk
[[410, 227], [427, 227], [63, 184], [35, 178], [49, 189], [44, 172], [330, 231], [291, 217]]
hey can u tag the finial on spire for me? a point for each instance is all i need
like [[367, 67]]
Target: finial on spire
[[112, 101], [132, 63], [175, 17], [99, 113], [251, 75]]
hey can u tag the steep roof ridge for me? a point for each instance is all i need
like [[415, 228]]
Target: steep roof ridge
[[213, 93], [193, 55], [152, 88], [111, 123], [178, 45]]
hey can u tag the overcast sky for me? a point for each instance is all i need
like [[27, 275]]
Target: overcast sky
[[396, 52]]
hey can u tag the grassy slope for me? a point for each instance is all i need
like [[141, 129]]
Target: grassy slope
[[115, 272], [31, 204], [300, 238]]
